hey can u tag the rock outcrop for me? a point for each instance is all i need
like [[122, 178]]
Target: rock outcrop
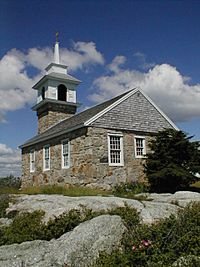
[[180, 198], [78, 248], [160, 206], [81, 247]]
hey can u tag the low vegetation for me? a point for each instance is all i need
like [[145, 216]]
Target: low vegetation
[[72, 191], [4, 203], [158, 245], [30, 226], [9, 184], [130, 190], [154, 245]]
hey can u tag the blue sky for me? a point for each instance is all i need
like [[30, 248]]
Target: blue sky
[[112, 46]]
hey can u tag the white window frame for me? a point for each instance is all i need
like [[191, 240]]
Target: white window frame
[[144, 146], [32, 160], [62, 153], [44, 159], [121, 150]]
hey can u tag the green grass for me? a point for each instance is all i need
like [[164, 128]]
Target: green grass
[[130, 190], [124, 190], [75, 191], [9, 190], [197, 184], [72, 191]]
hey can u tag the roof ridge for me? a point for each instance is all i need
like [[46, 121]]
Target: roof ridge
[[95, 106], [91, 112]]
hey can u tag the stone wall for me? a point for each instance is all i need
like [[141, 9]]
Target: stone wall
[[49, 119], [88, 161], [52, 113]]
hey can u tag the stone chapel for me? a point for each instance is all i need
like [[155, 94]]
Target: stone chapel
[[100, 147]]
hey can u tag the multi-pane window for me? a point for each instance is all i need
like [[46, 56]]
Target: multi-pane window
[[65, 154], [32, 160], [140, 149], [46, 152], [115, 148]]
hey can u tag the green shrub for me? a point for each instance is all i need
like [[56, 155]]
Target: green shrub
[[129, 215], [4, 203], [173, 161], [166, 241], [10, 181], [62, 224], [25, 227], [129, 190], [29, 226]]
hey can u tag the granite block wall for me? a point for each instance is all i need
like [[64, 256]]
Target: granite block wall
[[88, 160]]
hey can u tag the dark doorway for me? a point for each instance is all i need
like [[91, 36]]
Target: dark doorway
[[62, 92]]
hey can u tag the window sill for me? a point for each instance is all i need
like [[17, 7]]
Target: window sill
[[140, 157], [65, 167], [116, 164]]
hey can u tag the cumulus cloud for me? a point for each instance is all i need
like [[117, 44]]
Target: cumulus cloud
[[16, 81], [143, 63], [39, 58], [163, 83], [10, 161], [82, 55], [15, 84], [116, 63]]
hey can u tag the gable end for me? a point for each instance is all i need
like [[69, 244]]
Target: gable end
[[135, 112]]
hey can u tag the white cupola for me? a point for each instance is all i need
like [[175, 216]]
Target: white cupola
[[56, 93]]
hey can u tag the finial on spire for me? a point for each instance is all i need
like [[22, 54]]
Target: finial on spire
[[57, 34], [56, 51]]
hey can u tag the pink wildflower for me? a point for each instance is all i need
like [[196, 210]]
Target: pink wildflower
[[134, 248], [146, 243]]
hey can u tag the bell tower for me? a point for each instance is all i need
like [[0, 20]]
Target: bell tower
[[56, 98]]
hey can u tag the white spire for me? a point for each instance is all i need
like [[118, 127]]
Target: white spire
[[56, 51]]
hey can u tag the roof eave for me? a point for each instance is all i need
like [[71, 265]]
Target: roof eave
[[49, 77], [49, 100], [57, 65], [27, 144]]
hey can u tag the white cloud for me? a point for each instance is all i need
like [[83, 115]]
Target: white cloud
[[10, 161], [116, 63], [143, 63], [16, 83], [163, 83], [40, 58], [82, 55]]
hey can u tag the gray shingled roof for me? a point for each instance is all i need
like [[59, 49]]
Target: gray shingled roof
[[75, 122], [59, 76], [63, 76]]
